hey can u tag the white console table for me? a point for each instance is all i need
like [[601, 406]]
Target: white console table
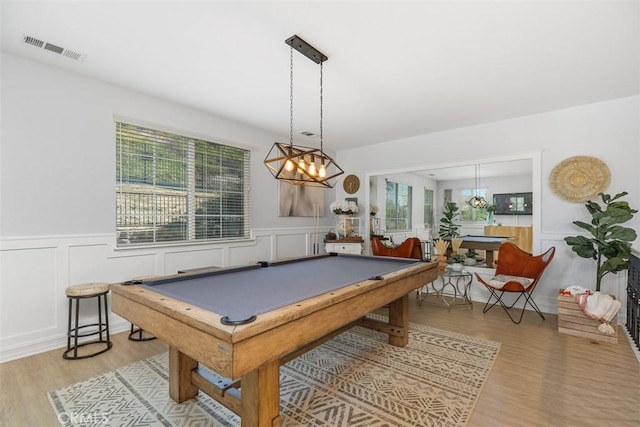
[[346, 246]]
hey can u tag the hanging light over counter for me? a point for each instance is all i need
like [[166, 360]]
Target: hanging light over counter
[[296, 164], [478, 201]]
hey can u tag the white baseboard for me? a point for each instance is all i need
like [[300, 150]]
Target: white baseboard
[[8, 354]]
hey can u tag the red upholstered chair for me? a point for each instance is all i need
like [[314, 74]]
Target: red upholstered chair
[[410, 248], [517, 272]]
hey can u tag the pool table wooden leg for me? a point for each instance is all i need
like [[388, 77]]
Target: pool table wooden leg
[[261, 396], [180, 367], [399, 319], [489, 258]]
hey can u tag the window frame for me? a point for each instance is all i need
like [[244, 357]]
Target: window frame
[[429, 208], [393, 207]]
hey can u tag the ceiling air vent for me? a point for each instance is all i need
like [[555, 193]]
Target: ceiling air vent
[[54, 48], [33, 41]]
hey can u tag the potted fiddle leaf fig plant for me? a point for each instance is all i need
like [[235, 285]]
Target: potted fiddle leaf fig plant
[[448, 228], [610, 243]]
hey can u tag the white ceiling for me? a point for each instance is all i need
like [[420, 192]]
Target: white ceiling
[[395, 69]]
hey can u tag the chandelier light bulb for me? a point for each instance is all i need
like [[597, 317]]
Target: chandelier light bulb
[[322, 173], [288, 166]]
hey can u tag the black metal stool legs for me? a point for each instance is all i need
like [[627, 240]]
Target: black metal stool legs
[[137, 334], [75, 330]]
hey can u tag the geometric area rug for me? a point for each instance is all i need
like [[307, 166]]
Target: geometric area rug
[[356, 379]]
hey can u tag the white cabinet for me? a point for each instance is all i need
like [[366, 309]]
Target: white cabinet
[[349, 246]]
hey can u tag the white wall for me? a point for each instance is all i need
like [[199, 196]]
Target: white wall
[[57, 205], [58, 150], [607, 130]]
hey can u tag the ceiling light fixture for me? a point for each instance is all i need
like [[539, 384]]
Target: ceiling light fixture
[[296, 164], [477, 201]]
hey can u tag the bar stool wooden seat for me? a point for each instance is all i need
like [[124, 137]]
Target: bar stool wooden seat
[[99, 329]]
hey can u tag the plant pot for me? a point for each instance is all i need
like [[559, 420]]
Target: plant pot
[[442, 263], [456, 266], [490, 218]]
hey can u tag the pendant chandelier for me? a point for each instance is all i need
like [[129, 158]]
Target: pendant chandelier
[[296, 164], [477, 201]]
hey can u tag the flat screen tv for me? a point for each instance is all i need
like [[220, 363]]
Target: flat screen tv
[[513, 204]]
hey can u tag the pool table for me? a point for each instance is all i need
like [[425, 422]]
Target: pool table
[[244, 322], [487, 244]]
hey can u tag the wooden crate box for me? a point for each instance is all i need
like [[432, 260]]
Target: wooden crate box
[[573, 321]]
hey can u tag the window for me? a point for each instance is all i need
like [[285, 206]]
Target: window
[[172, 188], [428, 208], [467, 213], [398, 207]]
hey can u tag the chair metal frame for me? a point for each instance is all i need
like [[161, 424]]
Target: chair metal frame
[[513, 261]]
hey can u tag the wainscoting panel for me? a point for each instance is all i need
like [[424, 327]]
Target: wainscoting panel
[[94, 263], [209, 257], [292, 245], [260, 249], [28, 288]]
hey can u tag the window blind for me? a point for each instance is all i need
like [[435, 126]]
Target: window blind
[[173, 188]]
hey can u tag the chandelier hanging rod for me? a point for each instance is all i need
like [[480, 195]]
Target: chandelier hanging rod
[[306, 49]]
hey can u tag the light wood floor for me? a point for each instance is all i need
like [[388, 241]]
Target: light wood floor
[[541, 378]]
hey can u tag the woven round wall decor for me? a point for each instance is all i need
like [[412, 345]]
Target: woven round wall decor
[[579, 178]]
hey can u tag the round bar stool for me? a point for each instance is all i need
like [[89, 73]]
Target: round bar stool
[[100, 329]]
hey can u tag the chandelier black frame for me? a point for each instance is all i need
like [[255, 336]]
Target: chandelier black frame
[[297, 164]]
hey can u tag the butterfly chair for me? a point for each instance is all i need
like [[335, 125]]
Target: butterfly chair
[[517, 272], [410, 248]]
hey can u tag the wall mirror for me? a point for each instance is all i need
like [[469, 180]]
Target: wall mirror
[[431, 187]]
